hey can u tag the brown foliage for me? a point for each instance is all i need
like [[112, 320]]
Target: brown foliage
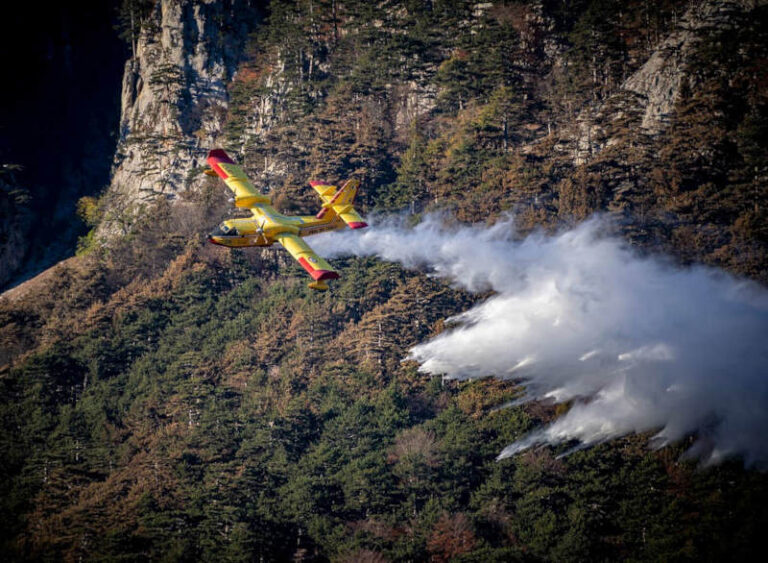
[[68, 509], [543, 461], [364, 556], [477, 397], [451, 536], [415, 446], [377, 528]]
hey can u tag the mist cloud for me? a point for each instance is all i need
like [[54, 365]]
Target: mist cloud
[[636, 343]]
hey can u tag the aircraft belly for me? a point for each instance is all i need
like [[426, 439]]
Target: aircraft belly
[[308, 230], [259, 240], [242, 242]]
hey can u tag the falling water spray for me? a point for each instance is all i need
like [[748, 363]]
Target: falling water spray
[[636, 343]]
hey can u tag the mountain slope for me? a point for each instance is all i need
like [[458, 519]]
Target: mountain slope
[[165, 398]]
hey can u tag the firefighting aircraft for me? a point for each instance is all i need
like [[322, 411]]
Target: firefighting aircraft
[[267, 226]]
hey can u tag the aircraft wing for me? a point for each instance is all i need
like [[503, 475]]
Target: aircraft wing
[[246, 194], [316, 266]]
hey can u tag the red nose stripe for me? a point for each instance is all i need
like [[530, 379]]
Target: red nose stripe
[[357, 225], [318, 275]]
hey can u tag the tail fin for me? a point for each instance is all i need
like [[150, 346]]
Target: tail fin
[[340, 203]]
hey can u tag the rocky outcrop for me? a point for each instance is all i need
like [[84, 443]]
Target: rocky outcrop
[[650, 94], [659, 80], [174, 100]]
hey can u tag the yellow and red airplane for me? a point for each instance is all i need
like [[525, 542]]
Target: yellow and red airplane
[[267, 226]]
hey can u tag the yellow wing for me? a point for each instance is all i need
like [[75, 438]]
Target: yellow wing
[[316, 266], [246, 194]]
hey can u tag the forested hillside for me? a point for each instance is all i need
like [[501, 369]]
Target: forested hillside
[[167, 399]]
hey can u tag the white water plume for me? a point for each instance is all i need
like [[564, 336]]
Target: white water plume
[[636, 343]]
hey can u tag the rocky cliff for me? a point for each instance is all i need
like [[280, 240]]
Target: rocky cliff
[[174, 100], [166, 398], [647, 99], [659, 80]]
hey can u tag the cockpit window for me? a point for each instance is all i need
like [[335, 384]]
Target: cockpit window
[[225, 230]]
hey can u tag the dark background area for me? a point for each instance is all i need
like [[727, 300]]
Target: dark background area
[[59, 114]]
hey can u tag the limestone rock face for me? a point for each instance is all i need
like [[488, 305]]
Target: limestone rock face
[[649, 95], [660, 78], [174, 100]]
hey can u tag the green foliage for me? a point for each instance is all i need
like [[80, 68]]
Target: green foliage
[[480, 63], [165, 399], [132, 16], [410, 185], [204, 403]]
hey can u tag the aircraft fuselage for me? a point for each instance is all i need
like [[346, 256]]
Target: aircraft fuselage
[[266, 224]]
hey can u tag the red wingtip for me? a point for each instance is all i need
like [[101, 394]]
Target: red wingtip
[[314, 183], [357, 225], [218, 155], [317, 275], [320, 275]]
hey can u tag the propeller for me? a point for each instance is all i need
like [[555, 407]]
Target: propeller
[[260, 230]]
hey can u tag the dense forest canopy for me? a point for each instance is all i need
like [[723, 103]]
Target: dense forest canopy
[[167, 399]]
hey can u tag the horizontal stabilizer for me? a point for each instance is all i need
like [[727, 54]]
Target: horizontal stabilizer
[[340, 202], [325, 191]]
